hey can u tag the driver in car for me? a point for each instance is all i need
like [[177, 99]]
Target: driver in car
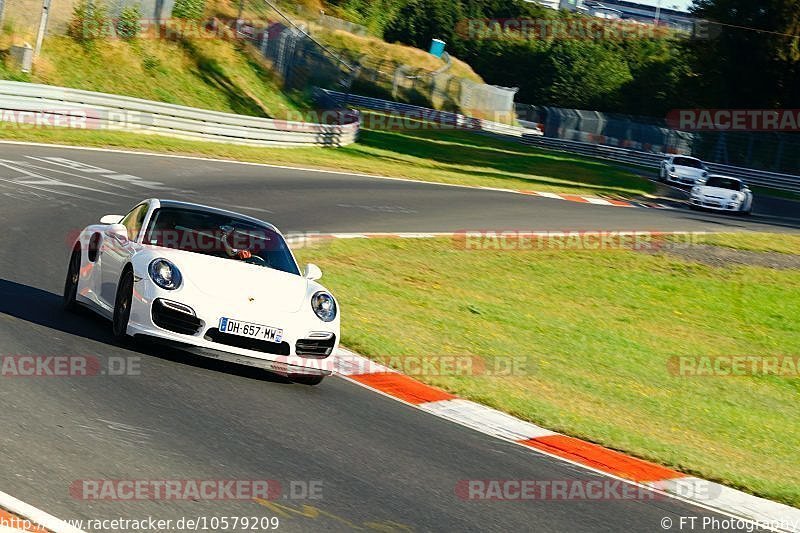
[[232, 252]]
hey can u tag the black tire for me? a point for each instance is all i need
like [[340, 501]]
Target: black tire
[[71, 283], [122, 305], [306, 379]]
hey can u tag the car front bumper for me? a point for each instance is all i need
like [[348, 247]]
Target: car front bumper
[[199, 334], [715, 205]]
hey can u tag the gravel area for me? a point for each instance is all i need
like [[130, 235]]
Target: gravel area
[[719, 256]]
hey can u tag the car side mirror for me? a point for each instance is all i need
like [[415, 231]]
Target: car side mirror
[[119, 232], [313, 272], [111, 219]]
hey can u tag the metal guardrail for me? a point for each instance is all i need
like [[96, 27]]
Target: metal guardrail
[[35, 105], [409, 111], [762, 178]]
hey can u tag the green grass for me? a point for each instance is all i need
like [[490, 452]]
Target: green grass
[[597, 330], [455, 157], [777, 193], [754, 242], [207, 73]]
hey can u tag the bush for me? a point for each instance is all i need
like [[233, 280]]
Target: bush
[[129, 23], [89, 21], [188, 9]]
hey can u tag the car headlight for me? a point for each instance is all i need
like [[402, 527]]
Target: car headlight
[[695, 191], [737, 197], [672, 169], [324, 306], [165, 274]]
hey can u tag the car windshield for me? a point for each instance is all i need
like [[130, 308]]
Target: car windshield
[[724, 183], [220, 235], [687, 162]]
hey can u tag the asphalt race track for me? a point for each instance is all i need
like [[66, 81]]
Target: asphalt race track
[[381, 464]]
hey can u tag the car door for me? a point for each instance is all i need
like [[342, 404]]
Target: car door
[[118, 248]]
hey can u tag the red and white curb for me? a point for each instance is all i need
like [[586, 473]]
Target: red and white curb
[[594, 200], [705, 494], [17, 516]]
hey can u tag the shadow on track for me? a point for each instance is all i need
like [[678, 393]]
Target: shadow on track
[[43, 308]]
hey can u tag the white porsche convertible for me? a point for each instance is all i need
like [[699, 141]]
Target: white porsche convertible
[[218, 283]]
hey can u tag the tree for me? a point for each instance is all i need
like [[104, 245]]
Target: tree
[[419, 21], [752, 56]]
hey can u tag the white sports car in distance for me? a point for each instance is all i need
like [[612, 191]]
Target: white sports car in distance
[[683, 170], [722, 193], [217, 283]]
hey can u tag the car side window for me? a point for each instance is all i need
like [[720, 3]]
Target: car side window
[[133, 220]]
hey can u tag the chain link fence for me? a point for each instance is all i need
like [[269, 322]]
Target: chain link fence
[[371, 76], [20, 18], [776, 152]]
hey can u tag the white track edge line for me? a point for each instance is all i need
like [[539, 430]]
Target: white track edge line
[[39, 517]]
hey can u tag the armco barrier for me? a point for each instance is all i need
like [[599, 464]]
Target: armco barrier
[[443, 117], [763, 178], [34, 104]]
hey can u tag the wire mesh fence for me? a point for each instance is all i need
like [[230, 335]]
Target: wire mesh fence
[[772, 151], [383, 78], [21, 18]]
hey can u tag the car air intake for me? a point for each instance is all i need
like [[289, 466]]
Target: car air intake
[[318, 348], [275, 348], [175, 317]]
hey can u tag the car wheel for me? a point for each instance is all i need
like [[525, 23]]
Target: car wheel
[[306, 379], [122, 305], [73, 275]]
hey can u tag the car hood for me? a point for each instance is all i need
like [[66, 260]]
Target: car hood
[[689, 172], [235, 282], [717, 192]]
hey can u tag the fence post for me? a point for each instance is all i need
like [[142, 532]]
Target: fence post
[[42, 28], [779, 154]]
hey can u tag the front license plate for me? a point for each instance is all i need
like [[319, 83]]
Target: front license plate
[[250, 330]]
